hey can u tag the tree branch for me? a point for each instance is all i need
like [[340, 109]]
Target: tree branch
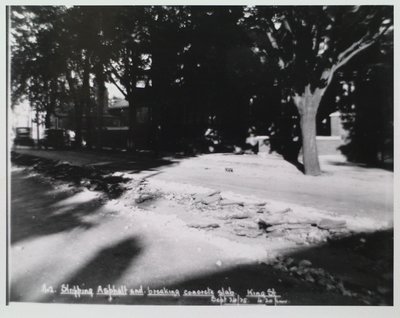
[[327, 76], [115, 72], [348, 54], [351, 48], [352, 54], [357, 47], [272, 40]]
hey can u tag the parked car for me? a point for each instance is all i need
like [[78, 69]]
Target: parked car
[[56, 138], [23, 137]]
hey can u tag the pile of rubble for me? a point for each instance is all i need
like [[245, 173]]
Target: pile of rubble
[[141, 193], [92, 178], [214, 201], [304, 271], [257, 219], [303, 231]]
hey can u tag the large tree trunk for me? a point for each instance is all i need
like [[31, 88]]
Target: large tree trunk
[[47, 119], [157, 98], [87, 105], [78, 111], [50, 106], [307, 105], [131, 138], [101, 101], [78, 125], [310, 151], [53, 100]]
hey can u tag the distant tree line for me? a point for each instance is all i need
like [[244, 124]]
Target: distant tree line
[[267, 69]]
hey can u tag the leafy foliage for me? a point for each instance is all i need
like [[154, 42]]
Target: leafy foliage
[[265, 67]]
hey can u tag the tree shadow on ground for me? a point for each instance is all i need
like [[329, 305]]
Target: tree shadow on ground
[[288, 149], [34, 212], [97, 174], [108, 265], [363, 262], [105, 268], [295, 162], [388, 166], [89, 160], [133, 163]]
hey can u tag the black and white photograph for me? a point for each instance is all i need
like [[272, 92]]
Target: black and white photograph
[[202, 155]]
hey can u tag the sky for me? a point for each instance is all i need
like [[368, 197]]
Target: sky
[[113, 91]]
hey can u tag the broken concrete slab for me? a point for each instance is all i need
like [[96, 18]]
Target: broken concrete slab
[[211, 199], [264, 223], [248, 225], [276, 234], [305, 263], [204, 225], [200, 196], [268, 221], [144, 197], [226, 202], [260, 204], [247, 232], [327, 224], [239, 216], [289, 226], [289, 261], [208, 198], [316, 235]]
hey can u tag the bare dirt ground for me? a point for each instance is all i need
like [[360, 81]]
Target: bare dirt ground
[[343, 188], [214, 221]]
